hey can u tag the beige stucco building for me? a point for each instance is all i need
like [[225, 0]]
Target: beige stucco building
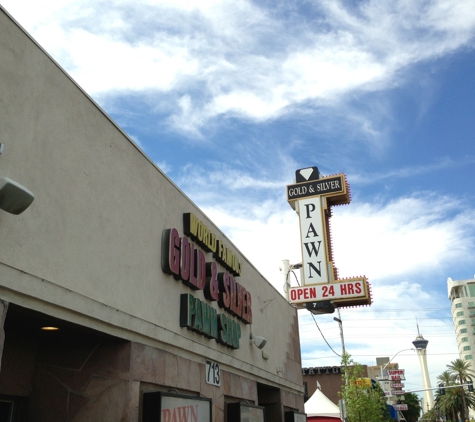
[[153, 302]]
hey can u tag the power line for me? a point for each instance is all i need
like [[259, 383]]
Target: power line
[[380, 319], [416, 310], [385, 310], [379, 355], [328, 344], [368, 331], [348, 337]]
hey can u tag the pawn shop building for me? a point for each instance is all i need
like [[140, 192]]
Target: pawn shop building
[[120, 300]]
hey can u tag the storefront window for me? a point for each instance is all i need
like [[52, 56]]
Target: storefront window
[[166, 407], [243, 412]]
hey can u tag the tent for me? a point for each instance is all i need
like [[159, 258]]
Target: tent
[[319, 408]]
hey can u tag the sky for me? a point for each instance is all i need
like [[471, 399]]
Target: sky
[[230, 98]]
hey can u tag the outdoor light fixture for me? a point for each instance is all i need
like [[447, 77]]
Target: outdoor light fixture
[[14, 198], [390, 360], [383, 377], [258, 341]]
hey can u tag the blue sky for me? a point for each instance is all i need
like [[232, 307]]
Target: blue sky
[[230, 98]]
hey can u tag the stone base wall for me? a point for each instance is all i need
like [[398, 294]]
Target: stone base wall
[[104, 380], [70, 381]]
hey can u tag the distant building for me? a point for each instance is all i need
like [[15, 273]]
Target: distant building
[[376, 372], [329, 379], [379, 373], [462, 296]]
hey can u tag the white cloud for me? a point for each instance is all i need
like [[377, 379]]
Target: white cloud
[[137, 142], [442, 164], [387, 327], [164, 166], [441, 351], [237, 57], [393, 244], [115, 65], [212, 58], [405, 246], [226, 178], [404, 237], [387, 242]]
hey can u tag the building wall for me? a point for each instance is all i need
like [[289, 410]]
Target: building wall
[[375, 372], [88, 251], [329, 379], [77, 380], [104, 379], [462, 297]]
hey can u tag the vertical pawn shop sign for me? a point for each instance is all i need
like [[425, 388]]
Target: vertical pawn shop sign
[[312, 197]]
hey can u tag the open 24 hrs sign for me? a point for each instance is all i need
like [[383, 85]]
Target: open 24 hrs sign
[[343, 289]]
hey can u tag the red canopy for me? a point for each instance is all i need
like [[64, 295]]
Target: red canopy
[[322, 419]]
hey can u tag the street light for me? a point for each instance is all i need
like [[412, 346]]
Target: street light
[[385, 378], [390, 360], [342, 403], [340, 323], [343, 351]]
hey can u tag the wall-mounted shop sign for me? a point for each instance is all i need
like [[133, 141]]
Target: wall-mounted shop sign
[[386, 388], [397, 385], [312, 197], [188, 262], [167, 407], [200, 233], [363, 382], [292, 416], [396, 374], [244, 412], [323, 370]]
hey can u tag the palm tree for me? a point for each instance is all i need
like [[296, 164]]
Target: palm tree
[[413, 407], [446, 378], [451, 403], [461, 370], [447, 404]]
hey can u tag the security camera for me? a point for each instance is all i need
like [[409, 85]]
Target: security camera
[[14, 198], [260, 342]]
